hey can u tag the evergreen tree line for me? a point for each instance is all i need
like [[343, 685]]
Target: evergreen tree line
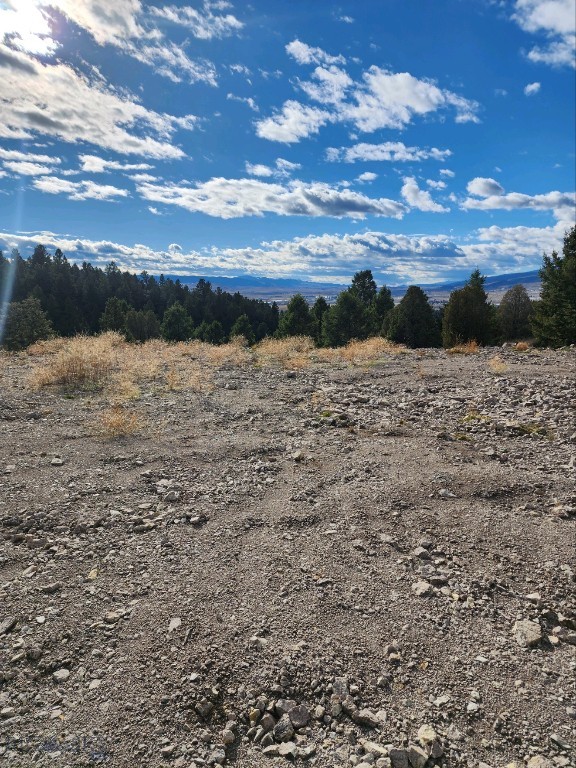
[[362, 311], [52, 295]]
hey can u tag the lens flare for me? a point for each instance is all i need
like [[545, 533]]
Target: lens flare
[[7, 286]]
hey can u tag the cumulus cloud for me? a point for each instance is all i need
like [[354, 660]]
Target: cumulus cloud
[[436, 184], [420, 198], [483, 187], [307, 54], [24, 168], [555, 21], [389, 151], [562, 204], [367, 176], [232, 198], [95, 164], [393, 258], [448, 173], [26, 28], [94, 113], [28, 157], [531, 89], [258, 169], [78, 190], [295, 121], [381, 99]]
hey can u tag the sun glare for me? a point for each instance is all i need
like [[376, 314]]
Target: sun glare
[[26, 25]]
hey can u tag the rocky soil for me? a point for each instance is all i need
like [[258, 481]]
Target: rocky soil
[[333, 566]]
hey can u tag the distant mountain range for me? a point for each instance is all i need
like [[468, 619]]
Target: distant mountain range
[[282, 289]]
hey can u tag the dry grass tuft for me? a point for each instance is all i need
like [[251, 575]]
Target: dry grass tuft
[[370, 351], [117, 421], [293, 352], [83, 362], [521, 346], [469, 348], [497, 365]]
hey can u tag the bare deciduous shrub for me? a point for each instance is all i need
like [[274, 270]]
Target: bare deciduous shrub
[[83, 362]]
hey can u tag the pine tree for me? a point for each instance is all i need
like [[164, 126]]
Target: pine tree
[[114, 316], [412, 321], [383, 304], [514, 313], [242, 327], [347, 319], [26, 323], [297, 320], [468, 315], [176, 325], [554, 322]]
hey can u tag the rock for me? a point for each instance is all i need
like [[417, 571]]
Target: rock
[[366, 717], [417, 756], [267, 722], [422, 553], [284, 706], [168, 750], [8, 624], [217, 757], [204, 708], [422, 588], [271, 750], [399, 758], [283, 730], [538, 761], [426, 735], [61, 675], [288, 749], [57, 461], [299, 716], [527, 633], [174, 624], [228, 737]]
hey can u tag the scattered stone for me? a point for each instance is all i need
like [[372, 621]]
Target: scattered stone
[[527, 633], [61, 675], [422, 588]]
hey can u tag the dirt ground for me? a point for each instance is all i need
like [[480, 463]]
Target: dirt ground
[[333, 565]]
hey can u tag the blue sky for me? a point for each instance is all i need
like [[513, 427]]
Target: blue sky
[[289, 139]]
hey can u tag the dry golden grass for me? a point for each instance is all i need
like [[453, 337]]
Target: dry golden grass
[[293, 352], [469, 348], [522, 346], [370, 351], [83, 362], [107, 362], [497, 365], [117, 421]]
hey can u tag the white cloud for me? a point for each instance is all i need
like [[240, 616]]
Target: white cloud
[[448, 173], [143, 177], [28, 157], [204, 24], [306, 54], [125, 24], [531, 89], [483, 187], [382, 99], [390, 151], [367, 176], [562, 204], [295, 121], [346, 19], [233, 198], [95, 164], [175, 247], [244, 100], [257, 169], [420, 198], [153, 210], [81, 190], [285, 167], [330, 85], [436, 184], [169, 60], [94, 113], [393, 258], [24, 168], [26, 28], [555, 20]]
